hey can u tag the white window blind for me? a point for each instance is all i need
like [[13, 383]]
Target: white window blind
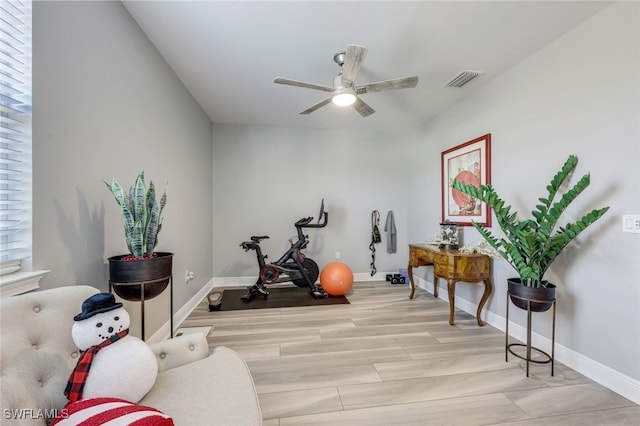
[[15, 134]]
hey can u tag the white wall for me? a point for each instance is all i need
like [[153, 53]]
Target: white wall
[[579, 95], [107, 105], [266, 178]]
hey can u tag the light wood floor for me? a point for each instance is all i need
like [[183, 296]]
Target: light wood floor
[[387, 360]]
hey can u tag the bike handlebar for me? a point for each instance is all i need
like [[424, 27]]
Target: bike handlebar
[[305, 222]]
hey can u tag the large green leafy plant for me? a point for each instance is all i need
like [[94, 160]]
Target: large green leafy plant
[[141, 214], [531, 245]]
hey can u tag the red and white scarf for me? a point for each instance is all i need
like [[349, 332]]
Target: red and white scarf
[[78, 377]]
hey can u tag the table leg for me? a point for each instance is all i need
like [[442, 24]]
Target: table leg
[[485, 296], [413, 286], [451, 287], [435, 283]]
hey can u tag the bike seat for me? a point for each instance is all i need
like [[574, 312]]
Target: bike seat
[[249, 245], [257, 239]]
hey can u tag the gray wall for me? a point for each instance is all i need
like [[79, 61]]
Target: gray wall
[[107, 105], [266, 178], [579, 95]]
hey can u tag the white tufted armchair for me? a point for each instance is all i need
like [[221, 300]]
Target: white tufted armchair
[[38, 353]]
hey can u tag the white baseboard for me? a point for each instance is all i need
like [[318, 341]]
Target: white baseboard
[[606, 376]]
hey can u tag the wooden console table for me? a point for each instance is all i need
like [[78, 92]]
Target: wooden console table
[[452, 266]]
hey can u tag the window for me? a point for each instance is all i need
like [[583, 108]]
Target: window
[[15, 136]]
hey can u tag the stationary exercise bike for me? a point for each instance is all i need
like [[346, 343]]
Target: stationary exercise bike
[[292, 266]]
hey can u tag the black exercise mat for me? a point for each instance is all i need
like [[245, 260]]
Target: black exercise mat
[[279, 297]]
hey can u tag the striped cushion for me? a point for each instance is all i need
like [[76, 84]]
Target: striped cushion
[[110, 412]]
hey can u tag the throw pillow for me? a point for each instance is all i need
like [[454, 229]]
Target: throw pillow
[[110, 411]]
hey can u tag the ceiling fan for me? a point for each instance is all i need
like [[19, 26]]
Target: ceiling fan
[[344, 92]]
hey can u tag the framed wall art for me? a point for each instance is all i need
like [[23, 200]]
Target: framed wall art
[[470, 163]]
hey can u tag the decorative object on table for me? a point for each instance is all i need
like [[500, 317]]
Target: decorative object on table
[[143, 273], [449, 236], [112, 362], [390, 230], [375, 239], [469, 163], [531, 245], [435, 240], [481, 248]]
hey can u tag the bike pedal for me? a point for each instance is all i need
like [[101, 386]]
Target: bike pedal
[[248, 297], [318, 295]]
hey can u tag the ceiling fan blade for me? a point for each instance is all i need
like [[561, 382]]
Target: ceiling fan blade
[[381, 86], [316, 106], [280, 80], [352, 61], [364, 109]]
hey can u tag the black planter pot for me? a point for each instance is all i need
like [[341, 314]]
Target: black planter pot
[[128, 276], [541, 298]]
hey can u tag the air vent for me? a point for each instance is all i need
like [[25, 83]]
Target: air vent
[[463, 78]]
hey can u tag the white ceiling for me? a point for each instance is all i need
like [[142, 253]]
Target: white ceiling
[[227, 54]]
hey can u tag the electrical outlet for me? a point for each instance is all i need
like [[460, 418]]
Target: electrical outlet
[[631, 223], [337, 255], [188, 276]]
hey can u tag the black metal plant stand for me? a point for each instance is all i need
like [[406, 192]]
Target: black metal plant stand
[[547, 358], [142, 285]]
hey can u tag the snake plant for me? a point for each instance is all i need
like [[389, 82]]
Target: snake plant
[[530, 246], [141, 214]]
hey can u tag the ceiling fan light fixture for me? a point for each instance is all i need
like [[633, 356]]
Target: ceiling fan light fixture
[[344, 97]]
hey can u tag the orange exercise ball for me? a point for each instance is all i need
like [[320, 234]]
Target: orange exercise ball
[[336, 278]]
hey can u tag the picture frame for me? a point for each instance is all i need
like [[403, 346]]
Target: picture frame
[[471, 163]]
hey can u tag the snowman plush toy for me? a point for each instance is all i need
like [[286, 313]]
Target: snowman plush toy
[[112, 362]]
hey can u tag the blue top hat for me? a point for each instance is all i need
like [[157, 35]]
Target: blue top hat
[[97, 304]]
